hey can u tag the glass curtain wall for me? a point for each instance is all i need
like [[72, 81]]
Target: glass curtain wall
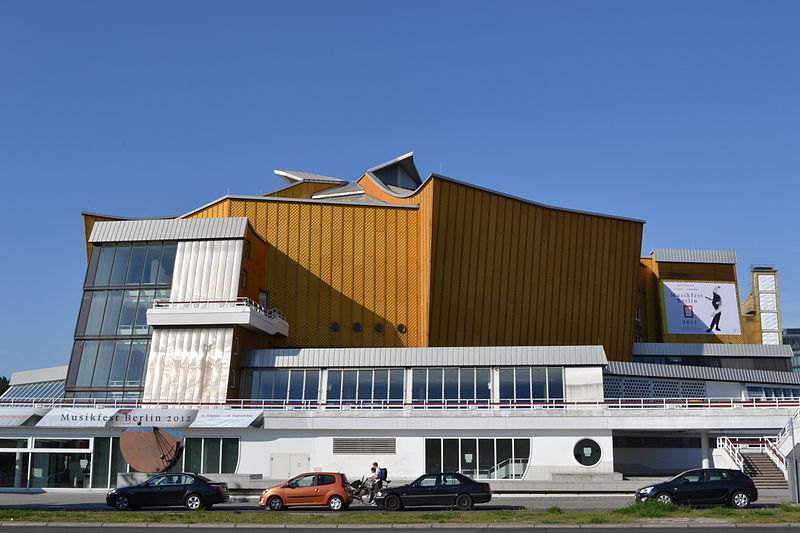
[[112, 336], [527, 385], [480, 458], [282, 386], [451, 386], [367, 387]]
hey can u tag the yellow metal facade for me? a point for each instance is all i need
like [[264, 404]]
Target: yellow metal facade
[[509, 272], [454, 264], [654, 272]]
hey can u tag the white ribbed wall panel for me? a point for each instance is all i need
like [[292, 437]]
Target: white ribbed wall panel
[[189, 365], [206, 270]]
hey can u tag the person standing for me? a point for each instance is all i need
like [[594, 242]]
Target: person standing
[[377, 481]]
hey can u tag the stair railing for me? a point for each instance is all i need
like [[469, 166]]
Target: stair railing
[[773, 453], [732, 451]]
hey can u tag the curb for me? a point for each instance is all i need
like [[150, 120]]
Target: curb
[[475, 525]]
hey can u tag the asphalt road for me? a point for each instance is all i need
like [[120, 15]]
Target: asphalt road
[[95, 501]]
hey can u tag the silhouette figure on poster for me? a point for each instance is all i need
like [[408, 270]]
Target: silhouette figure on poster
[[716, 303]]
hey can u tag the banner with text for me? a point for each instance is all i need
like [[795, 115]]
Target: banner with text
[[701, 308]]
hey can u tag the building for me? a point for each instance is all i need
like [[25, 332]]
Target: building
[[428, 325], [791, 337]]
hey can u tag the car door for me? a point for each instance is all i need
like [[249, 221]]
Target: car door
[[174, 489], [421, 491], [717, 486], [301, 490], [690, 488], [450, 487], [149, 493]]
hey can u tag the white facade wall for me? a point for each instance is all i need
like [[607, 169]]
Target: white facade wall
[[583, 383], [193, 364]]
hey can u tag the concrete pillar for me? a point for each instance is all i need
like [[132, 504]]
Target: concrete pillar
[[705, 460]]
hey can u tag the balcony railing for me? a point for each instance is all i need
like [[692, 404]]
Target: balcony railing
[[241, 301], [533, 404]]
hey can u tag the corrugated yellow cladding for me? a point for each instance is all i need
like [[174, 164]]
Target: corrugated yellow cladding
[[220, 209], [88, 224], [506, 272], [336, 263], [300, 190]]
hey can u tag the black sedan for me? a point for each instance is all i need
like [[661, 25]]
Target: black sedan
[[447, 489], [704, 487], [190, 490]]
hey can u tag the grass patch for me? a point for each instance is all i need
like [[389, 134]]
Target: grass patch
[[651, 509], [554, 515]]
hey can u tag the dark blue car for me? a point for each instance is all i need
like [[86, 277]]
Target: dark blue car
[[190, 490], [447, 489]]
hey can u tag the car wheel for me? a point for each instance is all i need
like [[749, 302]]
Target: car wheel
[[464, 502], [663, 497], [393, 502], [121, 503], [336, 503], [275, 504], [740, 500], [193, 502]]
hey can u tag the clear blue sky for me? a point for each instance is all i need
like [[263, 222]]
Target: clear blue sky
[[685, 114]]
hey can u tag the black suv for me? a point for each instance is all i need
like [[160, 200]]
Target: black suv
[[703, 487]]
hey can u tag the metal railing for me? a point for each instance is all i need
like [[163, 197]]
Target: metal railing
[[786, 431], [241, 301], [732, 451], [774, 453], [527, 404]]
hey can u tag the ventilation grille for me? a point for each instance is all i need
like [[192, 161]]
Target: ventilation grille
[[619, 387], [364, 446]]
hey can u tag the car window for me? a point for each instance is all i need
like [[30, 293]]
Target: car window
[[427, 481], [303, 481], [450, 479], [157, 481], [717, 475], [185, 480], [325, 479], [692, 477]]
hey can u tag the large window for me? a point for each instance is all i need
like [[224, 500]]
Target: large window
[[481, 458], [112, 335], [281, 385], [369, 386], [209, 455], [117, 265], [451, 386], [524, 385], [112, 363]]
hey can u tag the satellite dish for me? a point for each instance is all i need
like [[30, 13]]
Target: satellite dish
[[150, 449]]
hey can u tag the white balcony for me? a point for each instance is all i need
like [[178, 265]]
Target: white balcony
[[237, 312]]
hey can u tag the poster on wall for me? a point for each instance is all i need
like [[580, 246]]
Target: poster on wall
[[701, 308]]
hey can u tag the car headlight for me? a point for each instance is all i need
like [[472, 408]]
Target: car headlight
[[645, 490], [264, 491], [380, 493]]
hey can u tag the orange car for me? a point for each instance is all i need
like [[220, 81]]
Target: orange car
[[318, 488]]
